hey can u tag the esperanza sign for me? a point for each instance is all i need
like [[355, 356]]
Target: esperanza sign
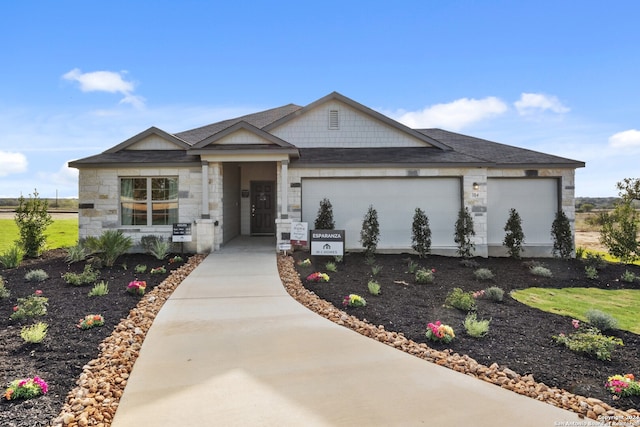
[[327, 242]]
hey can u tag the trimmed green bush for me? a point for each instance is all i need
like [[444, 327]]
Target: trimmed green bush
[[494, 293], [424, 276], [541, 271], [461, 300], [474, 327], [38, 275], [483, 274], [88, 276], [590, 342], [601, 320]]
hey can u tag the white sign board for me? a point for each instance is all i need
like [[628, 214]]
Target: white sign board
[[299, 233], [327, 242]]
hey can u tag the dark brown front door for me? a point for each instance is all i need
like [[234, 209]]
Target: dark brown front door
[[262, 207]]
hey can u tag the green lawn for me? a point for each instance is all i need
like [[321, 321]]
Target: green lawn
[[574, 302], [62, 233]]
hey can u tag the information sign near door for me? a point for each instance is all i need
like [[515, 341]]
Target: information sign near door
[[181, 232], [327, 242]]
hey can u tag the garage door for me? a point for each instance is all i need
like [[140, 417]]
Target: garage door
[[536, 201], [395, 199]]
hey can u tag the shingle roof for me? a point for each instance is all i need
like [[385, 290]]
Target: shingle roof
[[259, 120], [496, 153], [147, 157]]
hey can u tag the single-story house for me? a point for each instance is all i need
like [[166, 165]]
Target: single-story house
[[253, 175]]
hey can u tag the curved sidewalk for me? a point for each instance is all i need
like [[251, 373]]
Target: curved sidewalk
[[231, 348]]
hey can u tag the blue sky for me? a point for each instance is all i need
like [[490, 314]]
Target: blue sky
[[78, 77]]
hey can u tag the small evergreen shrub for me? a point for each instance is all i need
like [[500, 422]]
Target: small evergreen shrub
[[140, 268], [38, 275], [483, 274], [370, 232], [35, 333], [562, 237], [474, 327], [494, 293], [33, 218], [421, 233], [601, 320], [464, 232], [100, 289], [541, 271], [324, 219], [461, 300], [514, 237], [12, 257], [590, 342], [591, 272], [374, 287], [88, 276], [331, 266], [4, 292], [424, 276], [596, 261]]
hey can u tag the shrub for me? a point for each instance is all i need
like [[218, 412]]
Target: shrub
[[160, 248], [88, 275], [4, 292], [99, 289], [494, 293], [541, 271], [331, 266], [370, 233], [324, 220], [148, 241], [601, 320], [38, 275], [35, 333], [76, 253], [483, 274], [562, 237], [628, 277], [421, 233], [463, 233], [374, 287], [591, 272], [425, 276], [474, 327], [461, 300], [31, 306], [619, 231], [12, 257], [158, 270], [514, 237], [590, 342], [412, 266], [376, 269], [33, 219], [109, 246], [140, 269]]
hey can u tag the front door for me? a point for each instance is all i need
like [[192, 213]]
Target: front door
[[262, 207]]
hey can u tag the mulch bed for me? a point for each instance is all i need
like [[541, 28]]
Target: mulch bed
[[519, 336], [59, 359]]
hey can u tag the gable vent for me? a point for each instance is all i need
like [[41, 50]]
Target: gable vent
[[334, 119]]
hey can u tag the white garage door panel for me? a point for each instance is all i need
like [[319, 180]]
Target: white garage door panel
[[395, 199], [536, 201]]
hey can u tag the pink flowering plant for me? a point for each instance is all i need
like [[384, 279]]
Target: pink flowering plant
[[439, 332], [318, 277], [353, 300], [137, 287], [31, 306], [26, 388], [90, 321], [623, 385]]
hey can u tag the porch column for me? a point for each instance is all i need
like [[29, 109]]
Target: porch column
[[284, 189], [205, 190]]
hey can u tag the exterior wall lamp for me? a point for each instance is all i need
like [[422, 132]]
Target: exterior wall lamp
[[476, 186]]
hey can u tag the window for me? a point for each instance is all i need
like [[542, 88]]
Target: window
[[148, 201]]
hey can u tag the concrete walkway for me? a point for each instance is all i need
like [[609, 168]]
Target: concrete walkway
[[232, 348]]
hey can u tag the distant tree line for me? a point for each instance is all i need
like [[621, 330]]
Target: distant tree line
[[66, 204]]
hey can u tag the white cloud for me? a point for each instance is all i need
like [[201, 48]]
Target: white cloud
[[627, 139], [454, 115], [11, 163], [106, 81], [531, 103]]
